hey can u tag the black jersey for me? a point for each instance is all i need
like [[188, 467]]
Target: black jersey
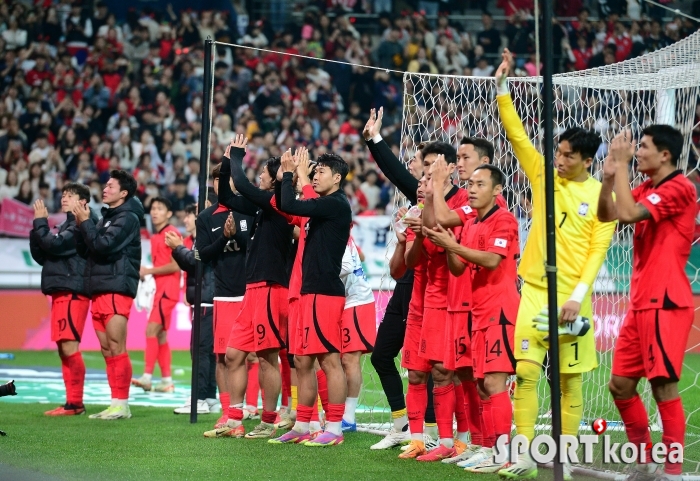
[[270, 235], [227, 256], [327, 234]]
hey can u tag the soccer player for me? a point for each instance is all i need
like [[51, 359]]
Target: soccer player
[[261, 326], [184, 255], [582, 242], [113, 249], [359, 329], [166, 273], [392, 330], [322, 294], [222, 242], [489, 248], [654, 334], [63, 277]]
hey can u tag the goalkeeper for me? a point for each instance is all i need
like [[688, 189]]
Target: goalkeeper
[[582, 241]]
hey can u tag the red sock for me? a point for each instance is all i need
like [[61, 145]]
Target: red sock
[[335, 413], [634, 416], [122, 375], [67, 379], [268, 417], [235, 413], [323, 389], [225, 400], [165, 360], [286, 373], [416, 402], [151, 354], [673, 420], [487, 428], [304, 413], [502, 413], [76, 366], [460, 411], [473, 408], [444, 404], [111, 376], [251, 392], [314, 413]]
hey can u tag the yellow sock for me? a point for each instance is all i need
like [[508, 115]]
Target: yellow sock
[[398, 414], [525, 403], [571, 402], [320, 405], [295, 400]]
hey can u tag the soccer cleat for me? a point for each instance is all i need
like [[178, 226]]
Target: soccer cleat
[[415, 449], [348, 427], [467, 452], [98, 415], [478, 457], [66, 410], [117, 412], [325, 439], [226, 431], [459, 447], [214, 405], [143, 383], [488, 466], [167, 387], [250, 414], [262, 430], [437, 454], [291, 437], [430, 442], [524, 468], [285, 421], [568, 471], [202, 407], [221, 422], [393, 439], [314, 434], [644, 472]]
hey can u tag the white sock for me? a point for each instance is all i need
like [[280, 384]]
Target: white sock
[[120, 402], [417, 437], [250, 408], [147, 377], [431, 431], [334, 427], [447, 442], [401, 424], [289, 404], [232, 423], [167, 380], [350, 407], [114, 403], [300, 427], [293, 413], [464, 437], [314, 426]]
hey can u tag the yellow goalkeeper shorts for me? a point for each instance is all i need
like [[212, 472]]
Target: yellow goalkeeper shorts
[[576, 353]]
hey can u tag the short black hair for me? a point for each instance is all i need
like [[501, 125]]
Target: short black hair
[[497, 175], [441, 148], [216, 172], [126, 181], [668, 138], [191, 209], [273, 165], [168, 205], [335, 163], [81, 190], [482, 146], [582, 141]]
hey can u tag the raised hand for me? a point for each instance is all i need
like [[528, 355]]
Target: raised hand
[[439, 171], [288, 162], [40, 210], [172, 239], [229, 226], [303, 165], [374, 124], [506, 65], [81, 213], [622, 148], [400, 236]]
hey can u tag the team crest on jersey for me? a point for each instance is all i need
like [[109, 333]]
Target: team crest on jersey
[[244, 225], [583, 209], [482, 242], [654, 198], [108, 223], [525, 345]]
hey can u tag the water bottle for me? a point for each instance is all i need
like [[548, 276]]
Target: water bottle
[[413, 213], [7, 355]]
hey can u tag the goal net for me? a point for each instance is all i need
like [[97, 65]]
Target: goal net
[[661, 87]]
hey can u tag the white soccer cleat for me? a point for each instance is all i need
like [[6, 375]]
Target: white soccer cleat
[[202, 407], [471, 450], [524, 468], [477, 458], [393, 439], [428, 442], [98, 415], [143, 382], [117, 412], [248, 414], [488, 466]]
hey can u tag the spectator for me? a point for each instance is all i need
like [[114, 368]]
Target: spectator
[[371, 190], [15, 38], [180, 198], [25, 195], [389, 54], [489, 38], [10, 188]]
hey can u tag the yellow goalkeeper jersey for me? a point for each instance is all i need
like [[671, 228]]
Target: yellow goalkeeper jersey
[[582, 240]]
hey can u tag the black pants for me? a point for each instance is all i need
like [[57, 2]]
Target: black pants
[[207, 359], [389, 342]]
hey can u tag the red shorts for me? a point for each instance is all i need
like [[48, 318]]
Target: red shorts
[[293, 345], [320, 322], [458, 340], [225, 312], [68, 316], [410, 357], [359, 328], [262, 322], [652, 343], [492, 350], [432, 335], [162, 310], [107, 305]]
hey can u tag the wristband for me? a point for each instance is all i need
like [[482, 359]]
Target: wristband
[[502, 86]]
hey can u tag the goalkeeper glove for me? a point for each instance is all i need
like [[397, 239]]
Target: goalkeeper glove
[[578, 327]]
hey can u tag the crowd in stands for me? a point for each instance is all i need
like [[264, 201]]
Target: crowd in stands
[[82, 93]]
